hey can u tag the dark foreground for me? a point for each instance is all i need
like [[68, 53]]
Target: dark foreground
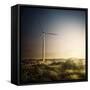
[[51, 70]]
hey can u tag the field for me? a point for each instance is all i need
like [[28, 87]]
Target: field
[[33, 70]]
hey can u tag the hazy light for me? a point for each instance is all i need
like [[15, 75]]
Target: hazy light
[[70, 41]]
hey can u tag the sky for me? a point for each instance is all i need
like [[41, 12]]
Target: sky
[[68, 25]]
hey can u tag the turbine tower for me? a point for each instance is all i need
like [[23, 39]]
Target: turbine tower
[[43, 43]]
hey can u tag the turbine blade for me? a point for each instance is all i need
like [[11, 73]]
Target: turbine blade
[[52, 33]]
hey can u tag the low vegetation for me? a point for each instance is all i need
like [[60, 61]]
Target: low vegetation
[[62, 70]]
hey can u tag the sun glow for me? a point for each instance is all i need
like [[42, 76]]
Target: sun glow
[[70, 42]]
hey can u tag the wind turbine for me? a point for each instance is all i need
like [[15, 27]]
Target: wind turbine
[[43, 43], [44, 40]]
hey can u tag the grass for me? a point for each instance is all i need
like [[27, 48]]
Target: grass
[[62, 70]]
